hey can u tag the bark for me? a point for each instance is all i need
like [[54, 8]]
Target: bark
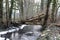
[[1, 13], [7, 13], [12, 2], [21, 11], [46, 16], [42, 5], [54, 5], [57, 15]]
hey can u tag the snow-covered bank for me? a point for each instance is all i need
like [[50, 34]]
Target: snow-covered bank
[[30, 32], [1, 38]]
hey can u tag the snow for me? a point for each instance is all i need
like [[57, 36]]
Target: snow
[[23, 26], [24, 36], [29, 32], [3, 38], [3, 32], [36, 1], [17, 29], [12, 30]]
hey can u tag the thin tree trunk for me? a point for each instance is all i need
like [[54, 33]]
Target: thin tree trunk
[[46, 15], [56, 16], [42, 1], [53, 11], [7, 12], [21, 13], [14, 14], [10, 12], [1, 13]]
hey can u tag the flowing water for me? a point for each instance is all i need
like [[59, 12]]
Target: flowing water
[[31, 33]]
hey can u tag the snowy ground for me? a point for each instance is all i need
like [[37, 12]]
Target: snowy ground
[[25, 36], [53, 32], [1, 38]]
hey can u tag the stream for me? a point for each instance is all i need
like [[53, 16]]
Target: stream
[[30, 32]]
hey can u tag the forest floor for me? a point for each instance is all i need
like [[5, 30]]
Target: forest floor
[[51, 33]]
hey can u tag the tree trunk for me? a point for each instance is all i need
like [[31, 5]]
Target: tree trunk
[[53, 11], [10, 12], [21, 13], [7, 13], [42, 5], [1, 13], [46, 16]]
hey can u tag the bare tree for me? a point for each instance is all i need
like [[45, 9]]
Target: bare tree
[[54, 5], [7, 12], [42, 4], [46, 16], [10, 11], [1, 11]]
